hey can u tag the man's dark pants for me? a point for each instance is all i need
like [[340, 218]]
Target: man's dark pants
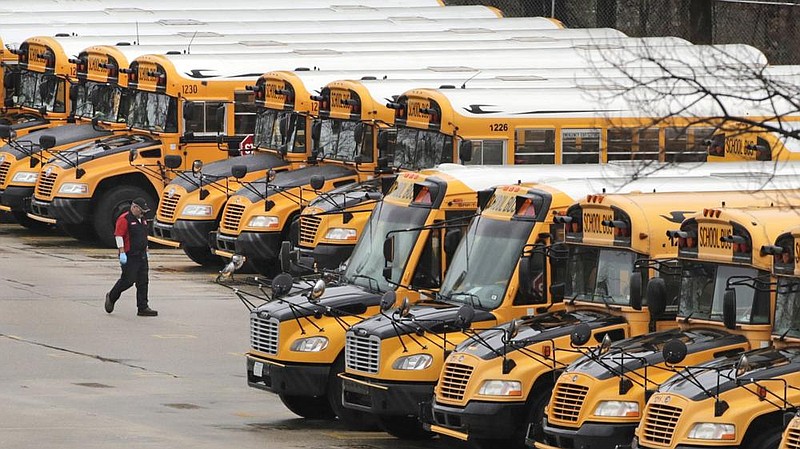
[[134, 272]]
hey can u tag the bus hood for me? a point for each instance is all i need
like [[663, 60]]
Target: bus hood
[[64, 134], [645, 350], [296, 178], [537, 329], [343, 300], [430, 317], [83, 153], [222, 169], [348, 196], [767, 363]]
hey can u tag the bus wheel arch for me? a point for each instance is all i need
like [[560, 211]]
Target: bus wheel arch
[[764, 432], [353, 419], [113, 197]]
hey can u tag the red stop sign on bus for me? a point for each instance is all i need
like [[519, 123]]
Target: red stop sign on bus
[[247, 145]]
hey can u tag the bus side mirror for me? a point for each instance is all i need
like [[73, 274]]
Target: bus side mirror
[[173, 161], [580, 335], [5, 131], [729, 308], [637, 281], [452, 237], [483, 198], [465, 316], [388, 300], [73, 89], [317, 182], [197, 166], [656, 297], [388, 256], [528, 267], [282, 285], [47, 141], [383, 142], [219, 115], [132, 155], [239, 171], [8, 82], [188, 111], [465, 151], [316, 131], [557, 292], [674, 351]]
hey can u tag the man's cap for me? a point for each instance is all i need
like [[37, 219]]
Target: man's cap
[[142, 204]]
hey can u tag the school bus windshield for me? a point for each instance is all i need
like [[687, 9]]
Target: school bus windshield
[[787, 308], [36, 90], [153, 112], [338, 140], [280, 129], [600, 275], [703, 287], [484, 262], [366, 264], [104, 101], [416, 149]]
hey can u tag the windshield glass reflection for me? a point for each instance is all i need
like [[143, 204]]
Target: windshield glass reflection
[[416, 149], [37, 90], [153, 112], [104, 101], [600, 275]]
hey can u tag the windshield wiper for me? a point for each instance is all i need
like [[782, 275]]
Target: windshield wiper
[[789, 329], [473, 298], [368, 278]]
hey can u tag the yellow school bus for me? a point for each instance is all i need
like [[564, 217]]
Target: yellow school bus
[[298, 353], [174, 118], [603, 394], [493, 398], [739, 400]]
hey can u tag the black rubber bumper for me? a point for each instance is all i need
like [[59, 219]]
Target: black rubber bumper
[[635, 445], [331, 256], [65, 210], [488, 420], [589, 436], [259, 246], [15, 197], [297, 380], [386, 398], [189, 233]]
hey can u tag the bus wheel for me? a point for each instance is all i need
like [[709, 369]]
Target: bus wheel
[[353, 419], [769, 439], [111, 205], [34, 225], [308, 407], [404, 427], [266, 267], [535, 417], [202, 255], [82, 232]]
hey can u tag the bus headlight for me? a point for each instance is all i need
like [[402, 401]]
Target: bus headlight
[[617, 408], [712, 431], [310, 344], [341, 234], [413, 362], [263, 221], [73, 188], [197, 210], [25, 177], [501, 388]]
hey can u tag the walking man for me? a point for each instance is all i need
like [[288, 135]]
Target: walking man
[[131, 237]]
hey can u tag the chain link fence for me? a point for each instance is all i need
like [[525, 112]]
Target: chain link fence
[[771, 26]]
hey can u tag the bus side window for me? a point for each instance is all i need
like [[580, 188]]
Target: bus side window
[[299, 135], [487, 152], [244, 113], [428, 273], [367, 144], [535, 146]]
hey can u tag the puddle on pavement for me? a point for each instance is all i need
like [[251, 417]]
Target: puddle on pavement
[[183, 406], [93, 385]]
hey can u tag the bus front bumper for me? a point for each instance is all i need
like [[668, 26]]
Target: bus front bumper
[[184, 233], [62, 210], [588, 436], [285, 378], [253, 245], [478, 419], [13, 198], [384, 398], [635, 445]]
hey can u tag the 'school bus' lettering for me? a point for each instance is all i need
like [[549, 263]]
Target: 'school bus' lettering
[[593, 223], [94, 67], [709, 239], [740, 147], [338, 101], [503, 204], [35, 55], [403, 191], [415, 108]]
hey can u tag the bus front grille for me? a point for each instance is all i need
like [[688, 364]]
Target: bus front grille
[[659, 423], [264, 334], [792, 440], [232, 217], [454, 381], [166, 209], [567, 401], [44, 188], [4, 171], [362, 353], [308, 228]]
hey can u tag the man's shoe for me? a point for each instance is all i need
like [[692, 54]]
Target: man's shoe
[[147, 312], [109, 303]]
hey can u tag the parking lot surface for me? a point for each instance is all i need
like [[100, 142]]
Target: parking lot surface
[[72, 376]]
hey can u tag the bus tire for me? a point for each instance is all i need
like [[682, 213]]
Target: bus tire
[[308, 407], [404, 427], [29, 223], [111, 205], [353, 419], [770, 439], [202, 255], [82, 232]]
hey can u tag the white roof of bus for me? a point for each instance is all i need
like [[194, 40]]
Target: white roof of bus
[[12, 33], [228, 65], [329, 13], [57, 6], [164, 44], [584, 179]]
